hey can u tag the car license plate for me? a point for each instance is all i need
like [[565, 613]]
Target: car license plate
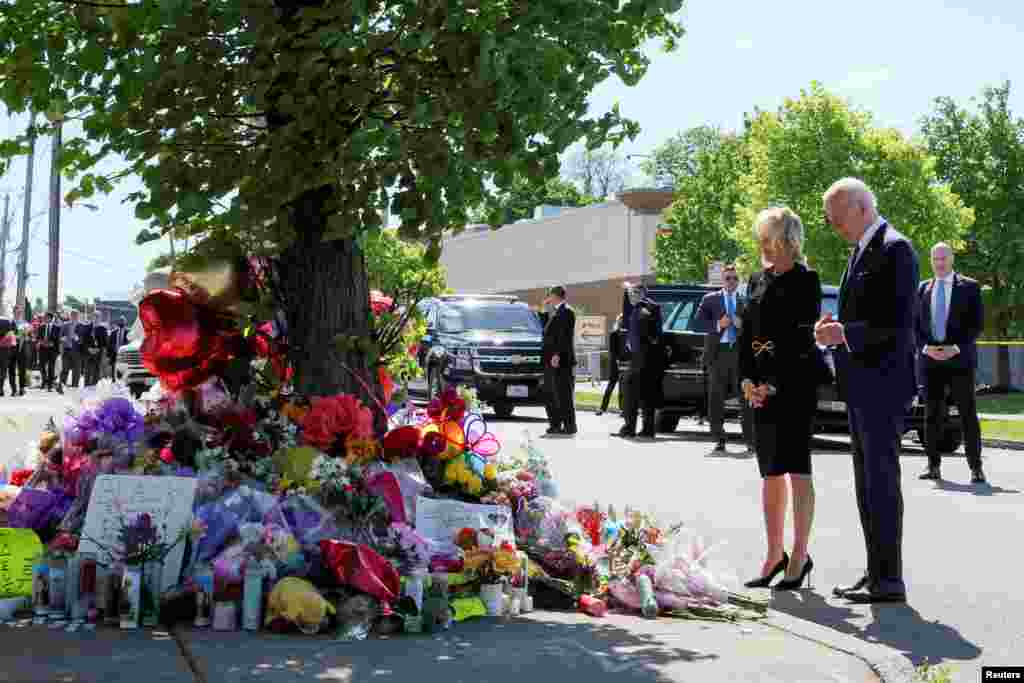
[[834, 406], [518, 391]]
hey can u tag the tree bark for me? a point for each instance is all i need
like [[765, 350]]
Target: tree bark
[[325, 294]]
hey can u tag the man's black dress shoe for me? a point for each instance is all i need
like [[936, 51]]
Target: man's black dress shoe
[[626, 433], [931, 474], [555, 430], [978, 476], [866, 597], [570, 432], [840, 591]]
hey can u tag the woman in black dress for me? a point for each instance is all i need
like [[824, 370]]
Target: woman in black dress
[[777, 363]]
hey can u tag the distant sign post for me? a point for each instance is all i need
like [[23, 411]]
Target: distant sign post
[[591, 332], [715, 269]]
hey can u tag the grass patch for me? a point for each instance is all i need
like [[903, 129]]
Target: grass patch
[[1002, 404], [1004, 430], [930, 673]]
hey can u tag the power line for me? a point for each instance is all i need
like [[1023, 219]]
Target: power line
[[91, 259]]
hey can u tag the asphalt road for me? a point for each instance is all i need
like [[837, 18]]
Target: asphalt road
[[962, 555]]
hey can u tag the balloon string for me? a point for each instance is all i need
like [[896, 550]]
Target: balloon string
[[366, 388]]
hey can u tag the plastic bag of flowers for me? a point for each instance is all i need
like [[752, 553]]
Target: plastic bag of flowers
[[296, 602], [304, 518]]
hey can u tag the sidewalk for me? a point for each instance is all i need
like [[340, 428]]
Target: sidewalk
[[540, 646]]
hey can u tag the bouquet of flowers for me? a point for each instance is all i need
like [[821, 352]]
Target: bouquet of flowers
[[406, 547], [343, 488], [140, 541], [116, 418], [331, 420], [491, 564]]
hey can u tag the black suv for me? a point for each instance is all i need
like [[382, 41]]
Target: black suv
[[685, 381], [490, 343]]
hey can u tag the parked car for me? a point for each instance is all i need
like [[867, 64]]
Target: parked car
[[685, 382], [486, 342]]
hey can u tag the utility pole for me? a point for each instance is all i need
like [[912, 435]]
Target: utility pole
[[54, 280], [5, 234], [27, 217]]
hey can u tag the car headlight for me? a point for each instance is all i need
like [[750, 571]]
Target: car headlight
[[463, 359]]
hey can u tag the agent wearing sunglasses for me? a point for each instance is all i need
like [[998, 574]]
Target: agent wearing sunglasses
[[720, 316]]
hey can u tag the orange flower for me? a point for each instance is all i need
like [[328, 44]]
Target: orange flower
[[360, 450]]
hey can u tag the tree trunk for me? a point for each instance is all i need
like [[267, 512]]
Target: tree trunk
[[326, 294]]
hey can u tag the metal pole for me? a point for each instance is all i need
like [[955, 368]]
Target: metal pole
[[5, 235], [27, 217], [54, 278]]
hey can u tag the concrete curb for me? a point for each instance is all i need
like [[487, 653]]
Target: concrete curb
[[889, 665]]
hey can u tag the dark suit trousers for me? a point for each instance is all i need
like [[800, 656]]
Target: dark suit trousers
[[876, 431], [561, 407], [72, 365], [613, 379], [91, 367], [960, 383], [48, 365], [724, 382], [8, 367]]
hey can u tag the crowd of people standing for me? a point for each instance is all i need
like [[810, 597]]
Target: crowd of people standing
[[67, 350]]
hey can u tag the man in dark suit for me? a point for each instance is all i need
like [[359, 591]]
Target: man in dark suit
[[720, 317], [71, 350], [94, 347], [559, 362], [643, 384], [874, 353], [48, 344], [8, 351], [118, 338], [951, 317]]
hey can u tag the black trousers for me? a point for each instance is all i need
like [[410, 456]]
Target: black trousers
[[21, 366], [960, 383], [875, 432], [113, 366], [48, 365], [561, 404], [613, 379], [642, 395], [724, 383], [91, 367], [73, 366], [8, 368]]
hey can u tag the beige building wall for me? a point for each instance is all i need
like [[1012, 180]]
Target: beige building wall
[[592, 251]]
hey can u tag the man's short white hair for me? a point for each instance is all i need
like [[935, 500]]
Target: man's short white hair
[[854, 188], [942, 246]]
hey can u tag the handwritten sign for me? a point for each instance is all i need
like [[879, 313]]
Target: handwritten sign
[[592, 331], [18, 550], [118, 499], [440, 520]]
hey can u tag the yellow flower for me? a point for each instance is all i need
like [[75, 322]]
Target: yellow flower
[[506, 562], [451, 473], [490, 471], [474, 485], [464, 474]]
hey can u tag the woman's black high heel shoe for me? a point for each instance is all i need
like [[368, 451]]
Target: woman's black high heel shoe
[[766, 581], [794, 584]]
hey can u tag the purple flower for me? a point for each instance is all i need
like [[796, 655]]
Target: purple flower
[[78, 430], [118, 418]]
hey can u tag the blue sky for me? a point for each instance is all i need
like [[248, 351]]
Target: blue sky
[[891, 58]]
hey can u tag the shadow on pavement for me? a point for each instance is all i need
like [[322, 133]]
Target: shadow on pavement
[[897, 626], [525, 419], [976, 489], [513, 651]]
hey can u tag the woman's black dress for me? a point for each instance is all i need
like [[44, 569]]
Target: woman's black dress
[[777, 348]]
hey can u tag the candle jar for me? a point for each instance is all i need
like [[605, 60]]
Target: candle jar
[[225, 616], [131, 596], [58, 576], [153, 573]]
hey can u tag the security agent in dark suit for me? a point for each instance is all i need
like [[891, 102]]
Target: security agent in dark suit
[[559, 357], [94, 347], [874, 342], [48, 345], [720, 317], [8, 353], [118, 337], [950, 318], [643, 384]]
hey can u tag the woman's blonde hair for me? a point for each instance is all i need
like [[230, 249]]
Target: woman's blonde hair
[[782, 224]]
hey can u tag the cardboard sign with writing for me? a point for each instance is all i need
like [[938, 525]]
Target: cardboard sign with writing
[[591, 332], [18, 550], [441, 520], [119, 499]]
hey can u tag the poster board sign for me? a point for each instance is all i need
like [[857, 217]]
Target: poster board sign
[[440, 520], [715, 269], [119, 498], [18, 550], [591, 332]]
